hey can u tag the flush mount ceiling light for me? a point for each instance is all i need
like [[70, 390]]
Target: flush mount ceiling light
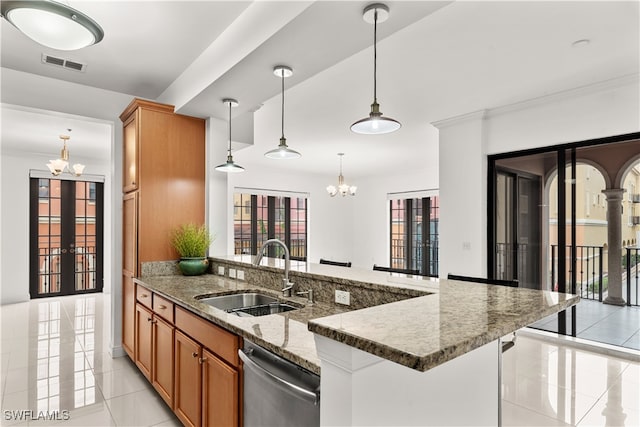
[[58, 166], [229, 166], [52, 24], [375, 123], [283, 151], [342, 188]]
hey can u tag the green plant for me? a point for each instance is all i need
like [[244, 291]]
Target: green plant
[[191, 240]]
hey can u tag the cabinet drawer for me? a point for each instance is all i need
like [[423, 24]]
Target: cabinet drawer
[[223, 343], [163, 307], [143, 295]]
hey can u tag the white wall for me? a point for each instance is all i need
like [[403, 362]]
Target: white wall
[[606, 109]]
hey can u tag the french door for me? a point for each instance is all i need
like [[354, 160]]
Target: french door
[[66, 237]]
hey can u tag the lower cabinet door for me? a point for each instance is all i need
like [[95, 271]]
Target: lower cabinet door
[[162, 366], [220, 392], [187, 380], [143, 339]]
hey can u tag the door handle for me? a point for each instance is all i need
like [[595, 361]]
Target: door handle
[[71, 251], [64, 251]]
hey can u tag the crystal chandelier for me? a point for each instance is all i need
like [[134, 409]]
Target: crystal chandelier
[[58, 166], [342, 188]]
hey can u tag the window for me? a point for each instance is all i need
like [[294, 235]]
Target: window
[[258, 218], [43, 190], [414, 234]]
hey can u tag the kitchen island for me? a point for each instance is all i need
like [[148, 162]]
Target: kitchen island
[[431, 356]]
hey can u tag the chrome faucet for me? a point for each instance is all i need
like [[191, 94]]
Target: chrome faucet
[[286, 284]]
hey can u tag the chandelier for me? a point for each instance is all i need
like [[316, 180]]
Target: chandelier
[[60, 165], [342, 188]]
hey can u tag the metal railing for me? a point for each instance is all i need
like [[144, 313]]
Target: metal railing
[[49, 272], [590, 277], [632, 260]]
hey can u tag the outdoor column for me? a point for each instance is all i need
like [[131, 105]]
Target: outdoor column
[[614, 237]]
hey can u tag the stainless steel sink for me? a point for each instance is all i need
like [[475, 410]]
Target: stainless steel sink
[[241, 300], [263, 310], [248, 304]]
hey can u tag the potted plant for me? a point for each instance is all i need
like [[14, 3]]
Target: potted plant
[[191, 241]]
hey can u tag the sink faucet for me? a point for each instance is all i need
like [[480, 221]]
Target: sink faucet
[[286, 284]]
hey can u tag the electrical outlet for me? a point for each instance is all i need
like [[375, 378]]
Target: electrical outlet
[[240, 274], [220, 270], [232, 273], [343, 297]]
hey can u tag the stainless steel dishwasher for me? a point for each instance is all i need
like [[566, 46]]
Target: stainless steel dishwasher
[[276, 391]]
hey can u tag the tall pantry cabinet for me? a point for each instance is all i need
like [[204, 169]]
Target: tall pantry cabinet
[[163, 186]]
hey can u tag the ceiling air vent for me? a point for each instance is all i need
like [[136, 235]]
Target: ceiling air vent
[[63, 63]]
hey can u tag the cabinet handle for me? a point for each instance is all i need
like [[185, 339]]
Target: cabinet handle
[[202, 360], [194, 354], [144, 296], [149, 319], [162, 307], [154, 321]]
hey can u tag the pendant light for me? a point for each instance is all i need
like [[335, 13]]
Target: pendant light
[[375, 123], [283, 151], [342, 188], [229, 166], [52, 24]]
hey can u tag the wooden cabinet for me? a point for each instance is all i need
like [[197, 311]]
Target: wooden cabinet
[[143, 347], [220, 392], [130, 154], [162, 359], [154, 341], [129, 270], [163, 182], [188, 372], [164, 164], [207, 380], [128, 314]]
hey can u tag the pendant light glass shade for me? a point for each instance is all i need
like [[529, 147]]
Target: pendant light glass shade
[[375, 124], [282, 151], [229, 166], [52, 24]]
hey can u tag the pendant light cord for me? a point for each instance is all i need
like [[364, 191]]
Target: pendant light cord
[[375, 53], [230, 127], [282, 75]]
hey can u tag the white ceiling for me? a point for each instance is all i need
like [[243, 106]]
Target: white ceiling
[[435, 60]]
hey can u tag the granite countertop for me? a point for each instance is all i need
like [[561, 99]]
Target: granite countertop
[[424, 332], [285, 334], [420, 333]]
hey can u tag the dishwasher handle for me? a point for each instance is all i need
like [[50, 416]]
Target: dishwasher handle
[[308, 395]]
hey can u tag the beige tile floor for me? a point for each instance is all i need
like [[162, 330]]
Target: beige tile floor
[[54, 360]]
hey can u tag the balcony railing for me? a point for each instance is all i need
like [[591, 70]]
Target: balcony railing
[[632, 260], [590, 278]]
